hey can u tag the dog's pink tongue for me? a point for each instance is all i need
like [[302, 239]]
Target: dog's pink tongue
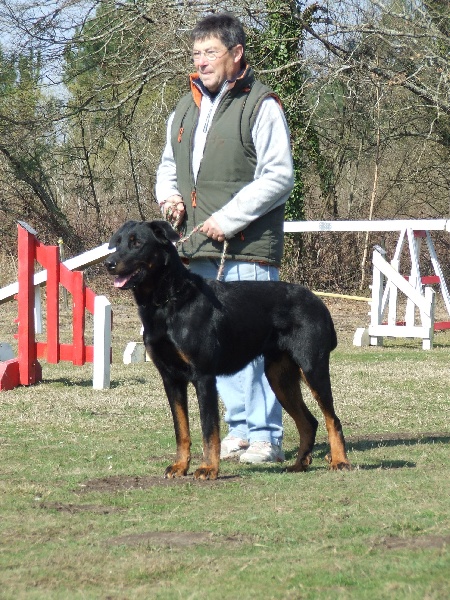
[[121, 281]]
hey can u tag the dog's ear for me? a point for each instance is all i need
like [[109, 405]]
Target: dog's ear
[[163, 231]]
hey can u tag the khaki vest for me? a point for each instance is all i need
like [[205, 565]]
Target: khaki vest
[[228, 164]]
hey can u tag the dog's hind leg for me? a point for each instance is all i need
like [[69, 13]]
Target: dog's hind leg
[[177, 395], [318, 381], [284, 378], [209, 416]]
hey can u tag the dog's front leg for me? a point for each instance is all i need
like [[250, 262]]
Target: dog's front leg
[[209, 416], [177, 396]]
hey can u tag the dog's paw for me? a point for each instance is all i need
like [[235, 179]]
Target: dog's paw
[[337, 465], [206, 473], [342, 466], [301, 464], [175, 470]]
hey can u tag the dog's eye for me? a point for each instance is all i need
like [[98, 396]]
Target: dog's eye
[[134, 242]]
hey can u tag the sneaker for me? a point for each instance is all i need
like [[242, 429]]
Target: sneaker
[[261, 452], [232, 446]]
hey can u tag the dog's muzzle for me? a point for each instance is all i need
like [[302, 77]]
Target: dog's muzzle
[[120, 281]]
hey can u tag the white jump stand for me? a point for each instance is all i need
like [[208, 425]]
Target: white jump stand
[[420, 299], [135, 352]]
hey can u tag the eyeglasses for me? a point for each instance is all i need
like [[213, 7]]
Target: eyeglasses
[[210, 55]]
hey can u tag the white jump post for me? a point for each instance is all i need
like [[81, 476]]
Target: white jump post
[[102, 343], [419, 297], [425, 303]]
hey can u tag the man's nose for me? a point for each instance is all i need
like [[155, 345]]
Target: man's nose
[[202, 60]]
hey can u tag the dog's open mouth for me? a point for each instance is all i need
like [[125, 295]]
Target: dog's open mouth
[[121, 281]]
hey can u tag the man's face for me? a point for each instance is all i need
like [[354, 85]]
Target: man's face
[[226, 65]]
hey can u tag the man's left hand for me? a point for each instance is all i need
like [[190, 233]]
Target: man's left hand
[[212, 230]]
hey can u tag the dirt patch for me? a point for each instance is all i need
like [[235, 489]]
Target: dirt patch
[[412, 543], [120, 483], [77, 508]]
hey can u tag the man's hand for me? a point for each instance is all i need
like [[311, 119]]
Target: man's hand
[[173, 209], [212, 230]]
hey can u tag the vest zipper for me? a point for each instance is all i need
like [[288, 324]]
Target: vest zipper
[[193, 184], [194, 189]]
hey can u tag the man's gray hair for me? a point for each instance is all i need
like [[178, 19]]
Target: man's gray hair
[[224, 26]]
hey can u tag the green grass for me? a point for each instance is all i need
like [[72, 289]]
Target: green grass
[[86, 514]]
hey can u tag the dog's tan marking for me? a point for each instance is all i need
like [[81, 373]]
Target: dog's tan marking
[[183, 357], [338, 459], [180, 467], [209, 469]]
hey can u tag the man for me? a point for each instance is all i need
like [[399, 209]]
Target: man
[[227, 165]]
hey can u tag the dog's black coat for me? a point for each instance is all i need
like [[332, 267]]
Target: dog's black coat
[[195, 329]]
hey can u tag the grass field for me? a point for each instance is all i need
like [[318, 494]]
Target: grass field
[[86, 513]]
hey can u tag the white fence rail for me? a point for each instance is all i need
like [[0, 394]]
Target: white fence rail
[[393, 225]]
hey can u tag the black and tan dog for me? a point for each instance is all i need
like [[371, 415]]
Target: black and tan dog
[[195, 329]]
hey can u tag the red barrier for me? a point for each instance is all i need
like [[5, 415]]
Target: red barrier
[[25, 369]]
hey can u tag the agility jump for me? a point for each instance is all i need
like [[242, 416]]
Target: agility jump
[[26, 369]]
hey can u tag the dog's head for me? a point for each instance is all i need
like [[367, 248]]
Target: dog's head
[[139, 248]]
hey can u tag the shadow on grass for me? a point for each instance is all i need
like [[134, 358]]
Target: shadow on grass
[[87, 383], [362, 443], [321, 450], [383, 440], [376, 441]]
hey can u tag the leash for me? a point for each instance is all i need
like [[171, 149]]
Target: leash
[[186, 237], [224, 249], [222, 261]]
